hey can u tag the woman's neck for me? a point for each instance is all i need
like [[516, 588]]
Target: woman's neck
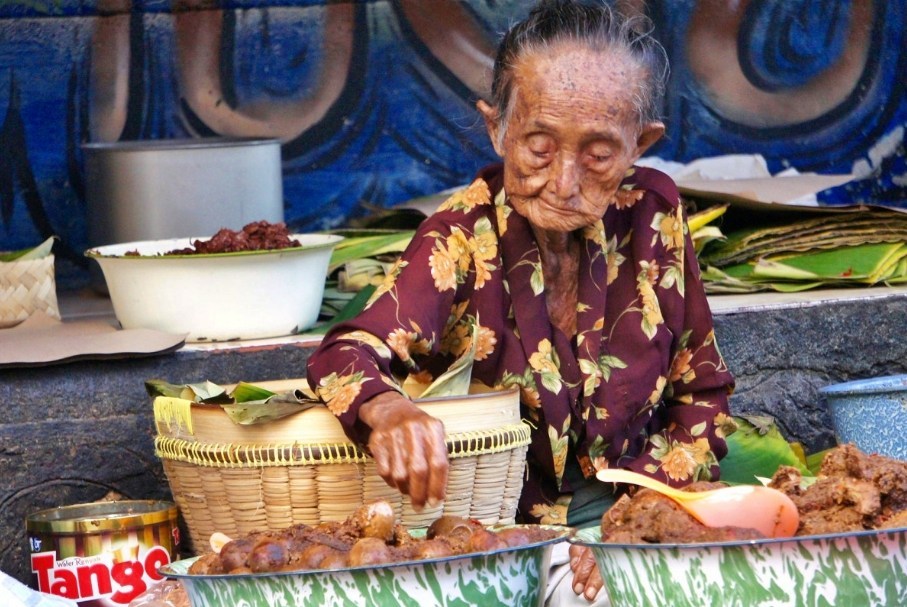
[[559, 256]]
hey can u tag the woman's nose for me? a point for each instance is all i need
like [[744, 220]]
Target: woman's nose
[[565, 175]]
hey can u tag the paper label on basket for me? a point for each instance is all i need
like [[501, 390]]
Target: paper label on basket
[[173, 416]]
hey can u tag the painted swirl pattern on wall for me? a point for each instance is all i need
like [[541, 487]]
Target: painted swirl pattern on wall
[[374, 101]]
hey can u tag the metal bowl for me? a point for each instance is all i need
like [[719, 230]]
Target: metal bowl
[[858, 568], [218, 296], [499, 578], [871, 414]]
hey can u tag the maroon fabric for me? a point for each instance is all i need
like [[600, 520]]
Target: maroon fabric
[[641, 385]]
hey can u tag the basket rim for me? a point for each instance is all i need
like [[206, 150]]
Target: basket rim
[[229, 455]]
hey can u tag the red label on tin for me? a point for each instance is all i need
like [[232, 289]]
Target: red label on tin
[[107, 578]]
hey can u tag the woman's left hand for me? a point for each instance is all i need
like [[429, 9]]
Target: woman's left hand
[[587, 580]]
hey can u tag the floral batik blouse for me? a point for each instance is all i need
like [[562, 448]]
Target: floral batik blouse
[[640, 386]]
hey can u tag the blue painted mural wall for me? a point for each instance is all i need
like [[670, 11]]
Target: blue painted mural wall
[[374, 100]]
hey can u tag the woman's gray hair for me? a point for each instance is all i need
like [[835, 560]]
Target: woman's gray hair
[[599, 28]]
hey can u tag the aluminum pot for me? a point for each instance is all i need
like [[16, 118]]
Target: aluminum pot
[[179, 188]]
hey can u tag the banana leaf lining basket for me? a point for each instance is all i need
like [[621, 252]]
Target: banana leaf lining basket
[[237, 479]]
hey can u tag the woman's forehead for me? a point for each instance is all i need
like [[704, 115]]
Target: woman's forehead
[[573, 78]]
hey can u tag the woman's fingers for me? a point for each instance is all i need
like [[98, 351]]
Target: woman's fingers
[[587, 580], [438, 465], [409, 449]]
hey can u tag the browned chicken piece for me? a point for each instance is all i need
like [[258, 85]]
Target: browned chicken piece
[[207, 564], [370, 536]]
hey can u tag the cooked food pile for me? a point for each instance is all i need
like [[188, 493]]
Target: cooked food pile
[[852, 492], [370, 536], [255, 236]]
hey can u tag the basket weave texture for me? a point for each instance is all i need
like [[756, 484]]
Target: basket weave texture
[[240, 487], [26, 287]]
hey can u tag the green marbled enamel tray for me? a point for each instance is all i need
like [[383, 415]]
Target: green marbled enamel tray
[[513, 577], [866, 568]]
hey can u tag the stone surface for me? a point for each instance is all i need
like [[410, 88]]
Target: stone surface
[[72, 433]]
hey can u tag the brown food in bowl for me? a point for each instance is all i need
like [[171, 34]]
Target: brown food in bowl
[[255, 236], [852, 492], [366, 538]]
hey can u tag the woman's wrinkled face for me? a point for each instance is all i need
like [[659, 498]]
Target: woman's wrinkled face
[[571, 135]]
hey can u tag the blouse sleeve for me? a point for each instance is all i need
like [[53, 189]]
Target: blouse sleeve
[[687, 435], [401, 327]]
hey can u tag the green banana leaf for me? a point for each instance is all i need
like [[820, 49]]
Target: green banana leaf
[[247, 404], [833, 230], [843, 264], [206, 393], [854, 265], [369, 246], [353, 307], [255, 405], [756, 450], [42, 250]]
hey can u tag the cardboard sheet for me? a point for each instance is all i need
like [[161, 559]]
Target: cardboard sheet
[[790, 192], [42, 340]]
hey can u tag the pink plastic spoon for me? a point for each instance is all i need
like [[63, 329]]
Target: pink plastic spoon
[[767, 510]]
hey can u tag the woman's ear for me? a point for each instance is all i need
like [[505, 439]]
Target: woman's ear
[[492, 124], [651, 132]]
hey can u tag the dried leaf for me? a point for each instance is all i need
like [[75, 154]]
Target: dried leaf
[[456, 380]]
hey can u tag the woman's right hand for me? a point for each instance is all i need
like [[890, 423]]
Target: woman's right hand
[[408, 447]]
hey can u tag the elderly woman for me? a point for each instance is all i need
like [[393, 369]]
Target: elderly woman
[[577, 272]]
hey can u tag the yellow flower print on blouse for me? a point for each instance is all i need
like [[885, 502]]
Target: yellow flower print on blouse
[[626, 197], [390, 279], [596, 233], [651, 310], [485, 343], [339, 391], [477, 193], [613, 259], [685, 460], [559, 446], [364, 337], [680, 366], [545, 361], [552, 514], [593, 375], [668, 228], [484, 247], [449, 259], [501, 211], [458, 339], [655, 396], [529, 394], [406, 343]]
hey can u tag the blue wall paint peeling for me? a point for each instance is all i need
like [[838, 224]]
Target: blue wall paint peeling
[[817, 85]]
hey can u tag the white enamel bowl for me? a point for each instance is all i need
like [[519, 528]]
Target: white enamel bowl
[[219, 296]]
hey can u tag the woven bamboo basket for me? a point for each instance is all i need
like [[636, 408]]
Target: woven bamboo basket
[[303, 469], [26, 287]]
